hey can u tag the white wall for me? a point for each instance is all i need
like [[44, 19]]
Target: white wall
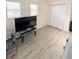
[[56, 1], [68, 15], [25, 11]]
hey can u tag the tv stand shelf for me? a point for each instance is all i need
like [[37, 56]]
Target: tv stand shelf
[[26, 31]]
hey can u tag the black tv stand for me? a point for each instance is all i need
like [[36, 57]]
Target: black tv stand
[[26, 31]]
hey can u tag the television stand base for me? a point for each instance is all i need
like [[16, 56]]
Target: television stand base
[[22, 34]]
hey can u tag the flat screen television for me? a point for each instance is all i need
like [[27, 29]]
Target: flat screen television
[[23, 23]]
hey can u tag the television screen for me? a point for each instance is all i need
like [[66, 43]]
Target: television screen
[[23, 23]]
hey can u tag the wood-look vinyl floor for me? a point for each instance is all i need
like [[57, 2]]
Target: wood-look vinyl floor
[[47, 44]]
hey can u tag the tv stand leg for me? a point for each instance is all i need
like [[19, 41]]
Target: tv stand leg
[[22, 39], [35, 33]]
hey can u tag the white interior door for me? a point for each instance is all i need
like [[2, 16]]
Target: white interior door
[[58, 14]]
